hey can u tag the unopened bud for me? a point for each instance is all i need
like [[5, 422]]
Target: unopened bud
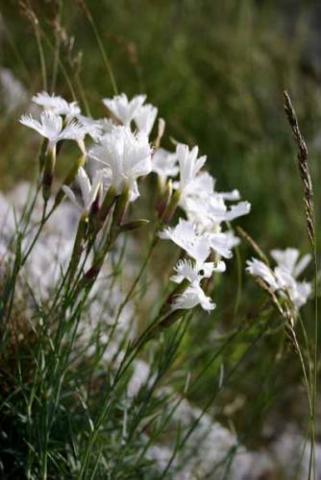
[[160, 131], [42, 154], [171, 208], [78, 245], [48, 174], [94, 209], [108, 202], [134, 225], [121, 207], [164, 198], [171, 318]]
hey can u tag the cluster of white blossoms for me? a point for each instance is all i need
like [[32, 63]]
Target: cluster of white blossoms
[[200, 235], [283, 278], [116, 152]]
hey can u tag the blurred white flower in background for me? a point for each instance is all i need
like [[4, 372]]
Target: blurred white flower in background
[[13, 93], [283, 278]]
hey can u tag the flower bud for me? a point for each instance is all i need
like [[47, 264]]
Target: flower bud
[[160, 131], [108, 202], [164, 198], [48, 174], [130, 226], [121, 208], [171, 318], [42, 154], [78, 245], [171, 208], [94, 209]]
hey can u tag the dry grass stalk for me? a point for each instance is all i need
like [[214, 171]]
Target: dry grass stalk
[[253, 244], [303, 165]]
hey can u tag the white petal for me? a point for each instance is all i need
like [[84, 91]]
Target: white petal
[[70, 194], [192, 297], [259, 269], [302, 264], [84, 184]]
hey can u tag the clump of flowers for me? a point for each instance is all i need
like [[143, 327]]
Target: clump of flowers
[[80, 291], [201, 234], [116, 154]]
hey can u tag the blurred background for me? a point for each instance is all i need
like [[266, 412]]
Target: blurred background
[[216, 70]]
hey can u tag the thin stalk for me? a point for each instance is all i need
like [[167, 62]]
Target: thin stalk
[[100, 45], [208, 404], [139, 275]]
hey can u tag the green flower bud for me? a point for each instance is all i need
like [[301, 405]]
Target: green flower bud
[[134, 225], [171, 208]]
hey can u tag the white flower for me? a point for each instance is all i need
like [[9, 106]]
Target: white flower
[[298, 292], [223, 242], [123, 109], [164, 163], [209, 212], [51, 127], [236, 211], [197, 244], [125, 158], [189, 165], [257, 268], [288, 269], [106, 124], [185, 235], [191, 297], [195, 272], [288, 260], [301, 293], [198, 189], [93, 128], [145, 118], [57, 105], [284, 276], [202, 203], [88, 190]]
